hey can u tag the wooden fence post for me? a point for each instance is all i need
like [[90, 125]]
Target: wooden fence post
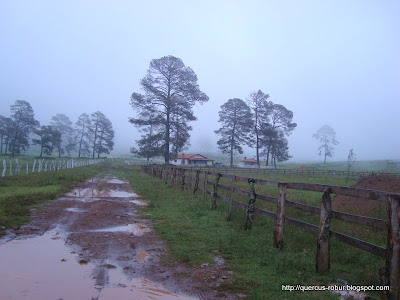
[[215, 186], [230, 203], [196, 183], [323, 242], [189, 181], [205, 185], [280, 216], [251, 207], [391, 274], [183, 180]]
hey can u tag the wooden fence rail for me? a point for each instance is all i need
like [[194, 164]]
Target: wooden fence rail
[[192, 179], [237, 170]]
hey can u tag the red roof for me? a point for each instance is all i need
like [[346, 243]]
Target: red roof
[[190, 157], [249, 160]]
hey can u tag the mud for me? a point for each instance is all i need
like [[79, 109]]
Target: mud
[[92, 244], [365, 207]]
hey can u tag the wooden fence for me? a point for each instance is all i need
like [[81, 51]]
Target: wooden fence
[[194, 180], [237, 170], [42, 165]]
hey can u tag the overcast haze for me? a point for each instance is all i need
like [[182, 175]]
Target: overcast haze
[[330, 62]]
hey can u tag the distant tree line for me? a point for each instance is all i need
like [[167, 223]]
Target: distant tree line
[[164, 110], [91, 135]]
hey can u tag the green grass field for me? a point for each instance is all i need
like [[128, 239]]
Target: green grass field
[[19, 193], [194, 234]]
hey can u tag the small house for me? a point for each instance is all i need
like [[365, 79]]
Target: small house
[[248, 163], [192, 160]]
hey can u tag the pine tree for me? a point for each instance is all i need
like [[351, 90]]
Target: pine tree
[[169, 88], [22, 124], [82, 134], [237, 125], [65, 142]]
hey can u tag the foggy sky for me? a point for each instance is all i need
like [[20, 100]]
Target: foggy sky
[[330, 62]]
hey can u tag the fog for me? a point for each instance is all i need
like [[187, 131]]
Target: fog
[[330, 62]]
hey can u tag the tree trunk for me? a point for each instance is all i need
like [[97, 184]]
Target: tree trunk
[[41, 149], [1, 144], [95, 137], [257, 151], [80, 142], [269, 147], [59, 148], [7, 142], [257, 140], [233, 136], [167, 129], [14, 141], [100, 140]]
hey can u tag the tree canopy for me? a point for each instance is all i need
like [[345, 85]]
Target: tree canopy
[[237, 125], [327, 139], [170, 92], [22, 124]]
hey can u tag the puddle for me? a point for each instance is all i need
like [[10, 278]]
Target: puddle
[[43, 268], [219, 260], [82, 193], [120, 194], [135, 229], [142, 256], [117, 181], [139, 202], [93, 193], [75, 209], [137, 288]]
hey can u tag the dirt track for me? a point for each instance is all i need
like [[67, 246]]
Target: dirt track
[[100, 224]]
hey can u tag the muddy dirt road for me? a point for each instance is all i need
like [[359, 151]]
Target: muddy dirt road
[[92, 244]]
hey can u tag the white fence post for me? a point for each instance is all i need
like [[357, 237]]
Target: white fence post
[[4, 168]]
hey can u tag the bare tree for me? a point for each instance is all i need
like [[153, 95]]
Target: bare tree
[[351, 159]]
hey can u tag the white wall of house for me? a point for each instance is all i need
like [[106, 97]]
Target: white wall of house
[[243, 164]]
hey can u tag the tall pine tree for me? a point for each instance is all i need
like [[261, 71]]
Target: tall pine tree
[[169, 88], [237, 125]]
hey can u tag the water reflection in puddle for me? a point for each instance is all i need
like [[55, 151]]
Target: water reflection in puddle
[[75, 209], [45, 269], [135, 229], [138, 202], [117, 181], [137, 288], [93, 193], [42, 268]]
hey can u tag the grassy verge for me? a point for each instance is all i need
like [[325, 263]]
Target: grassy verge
[[193, 233], [19, 193]]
